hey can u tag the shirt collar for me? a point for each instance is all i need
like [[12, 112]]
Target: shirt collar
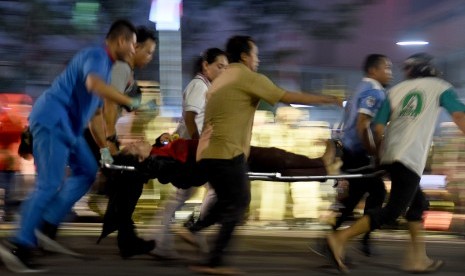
[[203, 78], [109, 54], [375, 83]]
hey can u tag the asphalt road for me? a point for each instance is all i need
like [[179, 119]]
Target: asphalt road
[[255, 252]]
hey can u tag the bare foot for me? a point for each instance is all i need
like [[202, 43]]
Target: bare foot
[[334, 168], [426, 266], [336, 252], [330, 153]]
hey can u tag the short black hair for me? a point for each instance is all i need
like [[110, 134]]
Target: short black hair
[[237, 45], [209, 56], [121, 27], [144, 34], [158, 143], [420, 65], [372, 61]]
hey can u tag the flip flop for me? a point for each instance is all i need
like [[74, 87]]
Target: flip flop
[[433, 267], [318, 247], [331, 256]]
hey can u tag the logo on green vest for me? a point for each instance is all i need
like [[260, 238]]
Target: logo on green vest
[[412, 104]]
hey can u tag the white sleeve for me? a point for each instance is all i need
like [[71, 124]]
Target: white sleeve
[[194, 96]]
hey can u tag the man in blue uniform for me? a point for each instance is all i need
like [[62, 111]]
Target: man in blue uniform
[[57, 122], [360, 110]]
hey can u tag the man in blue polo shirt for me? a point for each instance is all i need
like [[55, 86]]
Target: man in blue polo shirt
[[57, 122], [360, 110]]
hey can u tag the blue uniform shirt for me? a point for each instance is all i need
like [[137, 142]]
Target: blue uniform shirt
[[367, 100], [68, 99]]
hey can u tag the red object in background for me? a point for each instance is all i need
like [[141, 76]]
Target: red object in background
[[10, 129], [14, 110], [437, 220]]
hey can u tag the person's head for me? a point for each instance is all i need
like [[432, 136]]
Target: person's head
[[145, 47], [378, 67], [211, 63], [140, 148], [121, 39], [163, 140], [242, 49], [419, 66]]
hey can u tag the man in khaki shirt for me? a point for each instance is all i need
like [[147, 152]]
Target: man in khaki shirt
[[225, 141]]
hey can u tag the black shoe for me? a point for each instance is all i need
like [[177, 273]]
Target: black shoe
[[137, 247], [48, 229], [18, 258]]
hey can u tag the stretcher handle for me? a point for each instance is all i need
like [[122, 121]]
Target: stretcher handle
[[278, 177], [119, 167]]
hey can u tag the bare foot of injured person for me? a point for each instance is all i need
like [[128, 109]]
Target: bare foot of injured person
[[332, 164]]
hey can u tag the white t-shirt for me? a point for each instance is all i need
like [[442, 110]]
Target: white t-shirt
[[194, 100], [412, 108]]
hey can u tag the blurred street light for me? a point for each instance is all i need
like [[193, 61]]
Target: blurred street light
[[412, 43]]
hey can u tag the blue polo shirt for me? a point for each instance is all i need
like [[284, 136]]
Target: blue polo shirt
[[68, 99], [367, 100]]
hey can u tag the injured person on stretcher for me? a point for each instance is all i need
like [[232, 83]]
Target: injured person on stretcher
[[173, 161]]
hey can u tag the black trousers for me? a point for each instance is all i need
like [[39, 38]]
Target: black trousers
[[406, 197], [123, 194], [232, 187], [374, 187], [123, 190]]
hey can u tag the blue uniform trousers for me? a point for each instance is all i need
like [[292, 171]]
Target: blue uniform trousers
[[56, 189]]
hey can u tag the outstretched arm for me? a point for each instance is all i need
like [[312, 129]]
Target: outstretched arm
[[307, 98]]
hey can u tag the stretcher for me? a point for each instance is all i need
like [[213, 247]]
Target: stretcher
[[277, 177]]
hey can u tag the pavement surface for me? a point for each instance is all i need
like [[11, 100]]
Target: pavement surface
[[254, 251]]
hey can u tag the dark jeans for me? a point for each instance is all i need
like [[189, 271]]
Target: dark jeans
[[359, 187], [405, 194], [228, 177], [123, 191]]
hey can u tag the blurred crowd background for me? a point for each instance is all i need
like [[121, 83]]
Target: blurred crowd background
[[308, 45]]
